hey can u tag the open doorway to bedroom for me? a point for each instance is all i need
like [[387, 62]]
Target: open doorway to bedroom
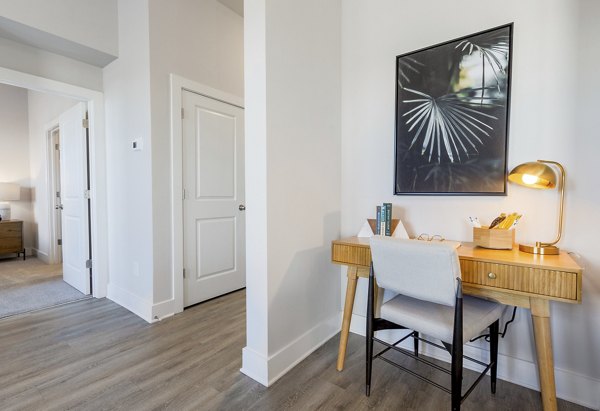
[[45, 226]]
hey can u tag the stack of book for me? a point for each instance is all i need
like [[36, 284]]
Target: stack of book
[[384, 220]]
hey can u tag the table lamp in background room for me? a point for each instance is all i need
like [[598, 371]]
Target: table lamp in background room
[[8, 192], [538, 174]]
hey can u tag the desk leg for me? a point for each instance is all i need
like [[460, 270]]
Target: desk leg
[[348, 306], [540, 314]]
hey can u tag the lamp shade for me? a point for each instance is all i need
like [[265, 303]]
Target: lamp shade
[[534, 174], [10, 192]]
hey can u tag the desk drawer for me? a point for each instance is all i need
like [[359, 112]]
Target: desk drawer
[[11, 230], [10, 245], [551, 283], [351, 255]]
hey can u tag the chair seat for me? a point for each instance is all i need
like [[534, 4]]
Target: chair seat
[[437, 320]]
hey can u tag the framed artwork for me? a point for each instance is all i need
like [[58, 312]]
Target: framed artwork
[[452, 116]]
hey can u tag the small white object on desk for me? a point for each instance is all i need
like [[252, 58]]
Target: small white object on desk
[[365, 230], [475, 222], [399, 232]]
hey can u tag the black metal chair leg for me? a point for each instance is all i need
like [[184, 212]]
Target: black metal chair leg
[[457, 350], [494, 328], [416, 343], [369, 354], [370, 332], [457, 364]]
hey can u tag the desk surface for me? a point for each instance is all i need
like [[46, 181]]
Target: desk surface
[[468, 251], [485, 272]]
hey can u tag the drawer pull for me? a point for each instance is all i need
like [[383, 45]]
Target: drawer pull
[[491, 276]]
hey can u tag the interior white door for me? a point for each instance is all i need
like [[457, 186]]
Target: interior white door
[[213, 204], [56, 203], [74, 186]]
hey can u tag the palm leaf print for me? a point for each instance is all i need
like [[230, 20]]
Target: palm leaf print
[[447, 124]]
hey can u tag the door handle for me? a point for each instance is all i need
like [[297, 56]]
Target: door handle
[[242, 207], [59, 207]]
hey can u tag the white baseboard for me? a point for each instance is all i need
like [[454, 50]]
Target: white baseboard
[[42, 256], [267, 370], [576, 388], [130, 301], [290, 355], [140, 307], [358, 325], [255, 366], [163, 310]]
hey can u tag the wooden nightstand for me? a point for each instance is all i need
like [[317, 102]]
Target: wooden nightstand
[[11, 237]]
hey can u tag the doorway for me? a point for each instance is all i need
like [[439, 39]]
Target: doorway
[[208, 193], [95, 196], [213, 198], [37, 164]]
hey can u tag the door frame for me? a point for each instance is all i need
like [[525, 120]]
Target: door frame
[[97, 147], [178, 86], [50, 180]]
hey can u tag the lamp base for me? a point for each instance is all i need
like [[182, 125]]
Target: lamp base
[[532, 249], [4, 211]]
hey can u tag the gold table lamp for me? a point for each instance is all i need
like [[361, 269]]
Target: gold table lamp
[[538, 174]]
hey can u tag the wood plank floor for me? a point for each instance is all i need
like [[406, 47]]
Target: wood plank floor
[[16, 272], [95, 355]]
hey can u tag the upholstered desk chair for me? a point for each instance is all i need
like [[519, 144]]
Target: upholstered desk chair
[[426, 276]]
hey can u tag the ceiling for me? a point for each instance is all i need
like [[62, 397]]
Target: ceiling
[[235, 5]]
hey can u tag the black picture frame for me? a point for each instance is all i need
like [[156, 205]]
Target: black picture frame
[[453, 116]]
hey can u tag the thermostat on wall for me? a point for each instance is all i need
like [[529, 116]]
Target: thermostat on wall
[[136, 144]]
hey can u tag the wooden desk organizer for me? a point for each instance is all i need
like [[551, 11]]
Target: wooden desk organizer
[[495, 238], [393, 225]]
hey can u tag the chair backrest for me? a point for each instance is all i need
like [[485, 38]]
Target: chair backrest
[[425, 270]]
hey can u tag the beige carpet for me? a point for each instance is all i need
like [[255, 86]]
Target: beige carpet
[[32, 285]]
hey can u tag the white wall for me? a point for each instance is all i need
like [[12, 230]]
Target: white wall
[[200, 41], [44, 110], [255, 356], [129, 173], [209, 39], [552, 117], [91, 23], [14, 154], [293, 173], [31, 60], [59, 40]]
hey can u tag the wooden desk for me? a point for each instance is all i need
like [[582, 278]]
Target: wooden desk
[[11, 237], [508, 276]]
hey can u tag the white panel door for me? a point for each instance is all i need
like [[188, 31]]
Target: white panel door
[[56, 205], [74, 184], [213, 205]]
